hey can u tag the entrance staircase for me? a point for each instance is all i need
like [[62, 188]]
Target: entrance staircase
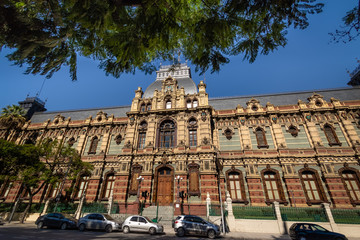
[[165, 214]]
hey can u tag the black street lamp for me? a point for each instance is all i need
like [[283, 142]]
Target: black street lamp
[[182, 195], [178, 178]]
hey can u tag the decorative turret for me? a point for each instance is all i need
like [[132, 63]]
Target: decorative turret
[[32, 105]]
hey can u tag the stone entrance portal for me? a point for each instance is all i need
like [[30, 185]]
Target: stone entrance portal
[[165, 186]]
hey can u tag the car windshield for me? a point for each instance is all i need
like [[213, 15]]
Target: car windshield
[[318, 228], [147, 219], [108, 217]]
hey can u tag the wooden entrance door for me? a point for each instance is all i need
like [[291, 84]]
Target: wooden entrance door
[[165, 186]]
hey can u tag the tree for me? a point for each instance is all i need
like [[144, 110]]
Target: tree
[[125, 35], [12, 117], [351, 28], [36, 166], [54, 156]]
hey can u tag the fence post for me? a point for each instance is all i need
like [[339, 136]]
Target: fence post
[[79, 208], [231, 218], [330, 217], [110, 203], [278, 217], [208, 204], [45, 207]]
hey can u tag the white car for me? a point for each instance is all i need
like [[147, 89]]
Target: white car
[[98, 221], [141, 224]]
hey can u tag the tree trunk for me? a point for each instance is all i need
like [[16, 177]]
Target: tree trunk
[[27, 209]]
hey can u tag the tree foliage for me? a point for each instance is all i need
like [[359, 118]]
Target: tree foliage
[[125, 35], [12, 117], [351, 28], [40, 165]]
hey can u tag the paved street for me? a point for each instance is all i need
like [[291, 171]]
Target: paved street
[[15, 231], [28, 231]]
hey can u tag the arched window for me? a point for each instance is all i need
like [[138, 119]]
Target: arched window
[[167, 134], [5, 189], [331, 136], [311, 185], [192, 132], [168, 104], [352, 185], [261, 138], [142, 134], [109, 185], [118, 139], [272, 186], [194, 186], [54, 191], [148, 107], [235, 185], [71, 141], [82, 185], [188, 103], [293, 131], [93, 145], [195, 103], [143, 107]]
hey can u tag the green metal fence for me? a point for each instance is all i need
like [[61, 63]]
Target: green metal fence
[[247, 212], [303, 214], [115, 208], [346, 216], [69, 208], [215, 210], [94, 207], [5, 207]]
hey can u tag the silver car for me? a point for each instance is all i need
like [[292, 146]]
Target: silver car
[[98, 221], [190, 224], [141, 224]]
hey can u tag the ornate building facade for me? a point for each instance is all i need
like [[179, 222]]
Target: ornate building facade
[[299, 149]]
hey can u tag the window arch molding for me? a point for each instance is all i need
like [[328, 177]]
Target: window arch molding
[[166, 130], [142, 129], [278, 184], [240, 179], [355, 179], [293, 130], [136, 170], [317, 181], [192, 130], [108, 184]]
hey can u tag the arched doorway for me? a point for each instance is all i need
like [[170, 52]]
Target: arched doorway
[[165, 186]]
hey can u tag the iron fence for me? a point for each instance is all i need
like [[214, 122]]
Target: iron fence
[[95, 207], [346, 216], [303, 214], [69, 208], [247, 212]]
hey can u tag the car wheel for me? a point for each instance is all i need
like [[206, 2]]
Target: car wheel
[[63, 226], [108, 228], [82, 227], [302, 238], [211, 234], [180, 232], [152, 230], [126, 229], [40, 225]]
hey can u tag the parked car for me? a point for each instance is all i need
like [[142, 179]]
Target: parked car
[[309, 231], [189, 224], [56, 220], [98, 221], [141, 224]]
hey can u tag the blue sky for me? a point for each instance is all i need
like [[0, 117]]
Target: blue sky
[[308, 62]]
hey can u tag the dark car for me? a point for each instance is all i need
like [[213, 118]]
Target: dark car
[[56, 220], [189, 224], [309, 231]]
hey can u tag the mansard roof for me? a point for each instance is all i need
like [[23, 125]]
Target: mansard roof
[[290, 98]]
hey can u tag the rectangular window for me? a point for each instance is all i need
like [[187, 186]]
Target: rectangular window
[[193, 138], [141, 143]]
